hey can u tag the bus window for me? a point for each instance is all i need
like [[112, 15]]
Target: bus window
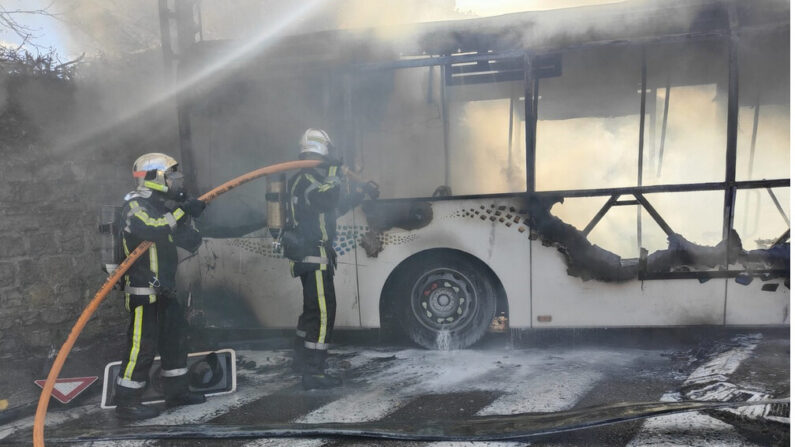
[[763, 140], [616, 231], [398, 130], [588, 121], [686, 113], [487, 138], [696, 215], [757, 217]]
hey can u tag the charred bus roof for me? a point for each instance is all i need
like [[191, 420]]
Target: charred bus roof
[[636, 21]]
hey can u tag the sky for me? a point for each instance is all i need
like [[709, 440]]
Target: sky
[[46, 31]]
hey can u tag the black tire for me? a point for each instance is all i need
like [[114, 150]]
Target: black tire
[[445, 300]]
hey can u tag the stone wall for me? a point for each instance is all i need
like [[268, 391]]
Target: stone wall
[[62, 156]]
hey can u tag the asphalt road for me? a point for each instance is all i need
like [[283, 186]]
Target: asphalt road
[[401, 386]]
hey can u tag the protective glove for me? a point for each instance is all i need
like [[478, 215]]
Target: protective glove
[[194, 207], [188, 238], [371, 189]]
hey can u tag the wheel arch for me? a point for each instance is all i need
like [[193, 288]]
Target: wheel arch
[[388, 295]]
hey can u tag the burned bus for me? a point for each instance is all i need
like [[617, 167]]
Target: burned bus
[[622, 165]]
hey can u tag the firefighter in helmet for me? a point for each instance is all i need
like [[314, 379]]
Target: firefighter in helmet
[[159, 211], [317, 196]]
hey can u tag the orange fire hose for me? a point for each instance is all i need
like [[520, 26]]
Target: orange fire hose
[[44, 399]]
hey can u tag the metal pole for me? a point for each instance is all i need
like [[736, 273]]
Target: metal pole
[[753, 138], [640, 138], [510, 139], [731, 128], [750, 172], [652, 99], [186, 35], [778, 206], [664, 125], [445, 124], [531, 116]]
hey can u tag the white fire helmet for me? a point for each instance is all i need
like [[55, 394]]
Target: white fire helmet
[[315, 141], [154, 161]]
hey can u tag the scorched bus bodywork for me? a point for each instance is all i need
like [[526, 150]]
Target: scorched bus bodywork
[[631, 171]]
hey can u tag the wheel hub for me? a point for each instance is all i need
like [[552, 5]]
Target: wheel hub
[[443, 298]]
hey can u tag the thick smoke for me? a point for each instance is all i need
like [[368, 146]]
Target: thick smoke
[[398, 115]]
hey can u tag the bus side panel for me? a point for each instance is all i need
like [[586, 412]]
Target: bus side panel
[[749, 305], [247, 271], [560, 300], [455, 225], [239, 274]]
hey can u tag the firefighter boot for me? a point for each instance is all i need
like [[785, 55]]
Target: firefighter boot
[[129, 406], [315, 376], [177, 392], [299, 355]]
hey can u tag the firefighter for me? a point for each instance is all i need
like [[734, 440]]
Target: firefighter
[[317, 196], [157, 211]]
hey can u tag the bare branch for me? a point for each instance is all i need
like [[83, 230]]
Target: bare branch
[[8, 21]]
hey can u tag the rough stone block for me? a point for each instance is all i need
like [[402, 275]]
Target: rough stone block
[[57, 268], [70, 294], [41, 244], [28, 272], [12, 246], [34, 192], [7, 274], [72, 242], [40, 296], [37, 338], [10, 298], [56, 314]]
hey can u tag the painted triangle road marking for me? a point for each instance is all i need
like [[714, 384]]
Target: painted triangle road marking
[[67, 389]]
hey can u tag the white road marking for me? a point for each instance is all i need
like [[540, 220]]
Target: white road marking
[[476, 444], [693, 428], [369, 406], [531, 382], [690, 429], [287, 442], [261, 385], [720, 367], [542, 391]]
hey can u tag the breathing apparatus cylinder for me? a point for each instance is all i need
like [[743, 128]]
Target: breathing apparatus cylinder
[[111, 251], [275, 201]]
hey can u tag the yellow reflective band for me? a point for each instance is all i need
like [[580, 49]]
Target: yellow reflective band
[[156, 186], [170, 239], [178, 213], [153, 259], [323, 266], [150, 221], [152, 299], [321, 301], [136, 342], [311, 178], [332, 171]]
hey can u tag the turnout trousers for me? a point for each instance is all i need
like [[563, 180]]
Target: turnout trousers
[[155, 325], [316, 323]]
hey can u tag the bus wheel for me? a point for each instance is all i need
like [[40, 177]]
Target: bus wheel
[[447, 301]]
